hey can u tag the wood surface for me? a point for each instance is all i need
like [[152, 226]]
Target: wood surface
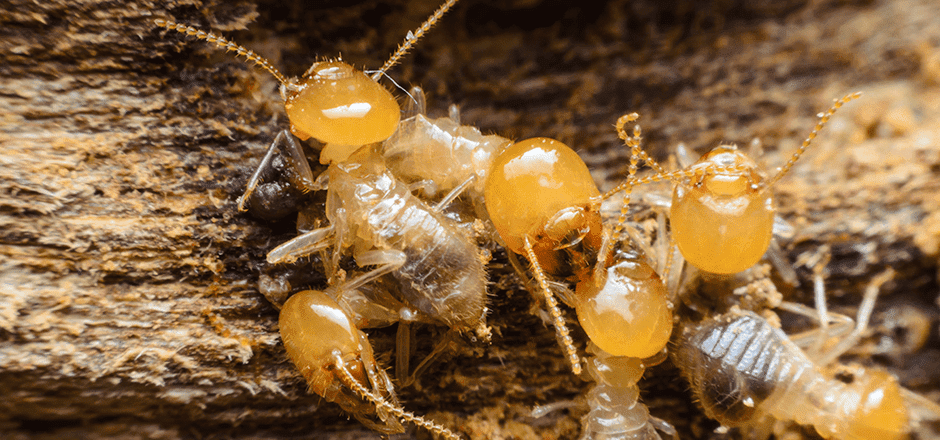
[[129, 305]]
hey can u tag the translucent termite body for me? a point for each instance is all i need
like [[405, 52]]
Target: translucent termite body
[[743, 370], [722, 210], [336, 360], [438, 268], [441, 154], [615, 410]]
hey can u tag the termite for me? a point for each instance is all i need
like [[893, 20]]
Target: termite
[[336, 359], [627, 316], [438, 268], [746, 372], [722, 211], [332, 102]]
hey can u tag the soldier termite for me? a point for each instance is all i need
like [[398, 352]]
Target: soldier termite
[[332, 102], [722, 211], [335, 357]]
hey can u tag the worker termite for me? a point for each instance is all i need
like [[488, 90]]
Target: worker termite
[[333, 103], [439, 270], [336, 359], [625, 312], [746, 373], [722, 211], [440, 154]]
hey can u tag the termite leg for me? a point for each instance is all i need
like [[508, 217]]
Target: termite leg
[[300, 175]]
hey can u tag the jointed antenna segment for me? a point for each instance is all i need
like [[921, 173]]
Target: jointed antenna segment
[[224, 44], [822, 121], [413, 37]]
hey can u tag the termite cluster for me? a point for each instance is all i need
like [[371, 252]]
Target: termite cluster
[[393, 251]]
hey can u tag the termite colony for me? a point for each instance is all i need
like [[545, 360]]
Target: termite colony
[[427, 266]]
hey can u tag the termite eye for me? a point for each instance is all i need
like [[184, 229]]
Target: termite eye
[[530, 182], [723, 224], [629, 314], [338, 104]]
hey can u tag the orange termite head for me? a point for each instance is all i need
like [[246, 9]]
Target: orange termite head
[[722, 217], [627, 313], [341, 107], [313, 327], [539, 189], [872, 407]]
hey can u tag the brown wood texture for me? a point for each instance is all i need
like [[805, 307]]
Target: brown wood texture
[[128, 298]]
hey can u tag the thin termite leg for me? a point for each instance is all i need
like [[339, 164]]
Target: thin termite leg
[[823, 118], [560, 329], [413, 37], [664, 427], [417, 105], [454, 193], [387, 260], [301, 245], [256, 176], [347, 378], [443, 346], [301, 174], [822, 309], [861, 323]]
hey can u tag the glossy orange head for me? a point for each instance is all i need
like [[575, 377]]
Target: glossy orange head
[[628, 313], [313, 327], [540, 189], [875, 409], [722, 220], [339, 105]]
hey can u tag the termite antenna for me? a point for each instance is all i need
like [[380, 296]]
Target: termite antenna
[[352, 383], [413, 37], [823, 118], [224, 44], [561, 330], [634, 143]]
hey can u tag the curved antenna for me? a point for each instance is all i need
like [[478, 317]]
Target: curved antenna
[[223, 44], [823, 118], [413, 37], [347, 378]]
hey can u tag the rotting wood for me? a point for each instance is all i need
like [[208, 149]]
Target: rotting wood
[[128, 305]]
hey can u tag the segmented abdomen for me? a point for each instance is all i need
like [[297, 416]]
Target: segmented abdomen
[[741, 367]]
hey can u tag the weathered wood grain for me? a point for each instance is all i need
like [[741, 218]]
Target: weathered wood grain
[[128, 299]]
